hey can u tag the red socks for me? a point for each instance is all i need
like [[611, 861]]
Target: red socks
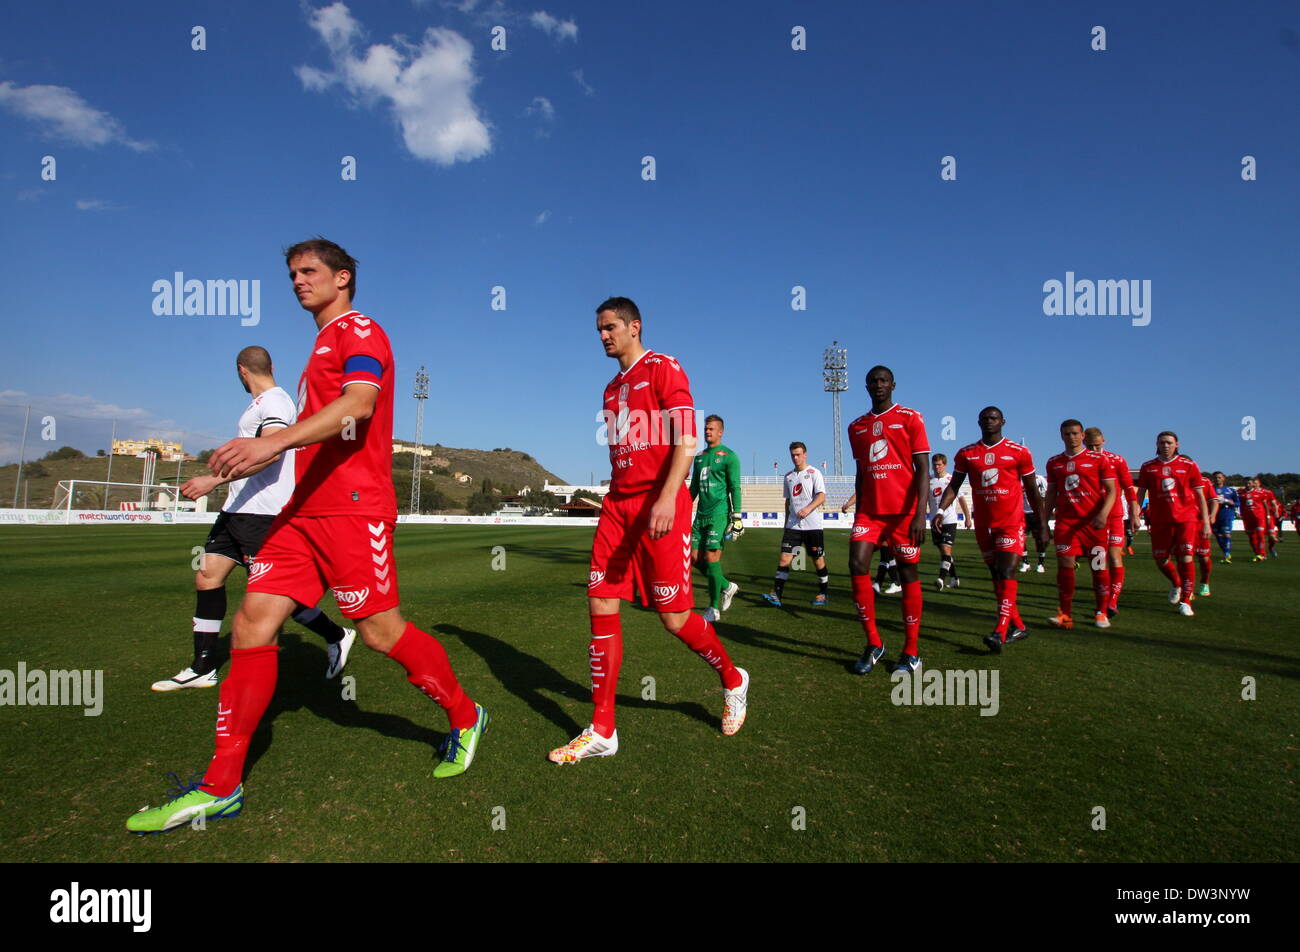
[[1116, 585], [1065, 588], [1101, 589], [911, 616], [245, 693], [1171, 573], [427, 667], [1189, 580], [1005, 591], [864, 599], [606, 656], [1207, 565], [703, 640]]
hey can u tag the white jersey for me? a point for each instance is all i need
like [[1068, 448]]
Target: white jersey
[[1041, 481], [265, 493], [937, 486], [800, 489]]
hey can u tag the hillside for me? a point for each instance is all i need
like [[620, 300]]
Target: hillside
[[508, 470]]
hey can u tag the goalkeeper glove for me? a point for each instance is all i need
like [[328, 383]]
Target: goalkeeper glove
[[737, 528]]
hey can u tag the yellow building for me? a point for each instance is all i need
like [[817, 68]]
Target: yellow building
[[167, 449]]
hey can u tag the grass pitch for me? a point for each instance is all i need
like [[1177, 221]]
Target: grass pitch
[[1146, 720]]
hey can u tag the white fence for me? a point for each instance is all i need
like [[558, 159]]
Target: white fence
[[106, 517]]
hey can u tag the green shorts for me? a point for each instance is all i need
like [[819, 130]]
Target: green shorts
[[708, 530]]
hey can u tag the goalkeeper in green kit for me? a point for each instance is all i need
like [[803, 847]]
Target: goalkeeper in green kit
[[715, 482]]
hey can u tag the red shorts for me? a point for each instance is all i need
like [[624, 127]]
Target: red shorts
[[892, 531], [304, 555], [623, 555], [1078, 538], [1009, 539], [1170, 539], [1115, 533]]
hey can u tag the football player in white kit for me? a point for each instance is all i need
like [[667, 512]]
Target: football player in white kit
[[944, 540], [805, 494], [251, 506]]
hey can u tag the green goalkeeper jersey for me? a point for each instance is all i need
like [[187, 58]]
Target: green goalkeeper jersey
[[716, 480]]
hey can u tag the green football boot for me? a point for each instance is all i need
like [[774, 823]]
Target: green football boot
[[187, 804], [460, 746]]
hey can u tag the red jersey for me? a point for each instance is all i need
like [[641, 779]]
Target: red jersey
[[1172, 485], [1252, 503], [1270, 501], [1080, 486], [1124, 480], [1207, 488], [995, 474], [352, 473], [884, 444], [641, 406]]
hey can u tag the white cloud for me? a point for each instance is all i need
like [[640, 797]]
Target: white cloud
[[427, 86], [541, 106], [553, 26], [97, 205], [85, 422], [542, 218], [586, 87], [62, 114]]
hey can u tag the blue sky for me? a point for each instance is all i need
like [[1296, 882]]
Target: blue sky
[[775, 167]]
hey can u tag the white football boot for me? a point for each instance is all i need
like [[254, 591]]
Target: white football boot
[[187, 679], [587, 744]]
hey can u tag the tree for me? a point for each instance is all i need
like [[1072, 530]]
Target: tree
[[586, 494], [99, 452], [64, 452], [482, 504], [204, 454], [435, 501], [543, 499], [34, 471]]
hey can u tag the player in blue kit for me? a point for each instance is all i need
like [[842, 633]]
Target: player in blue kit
[[1229, 504]]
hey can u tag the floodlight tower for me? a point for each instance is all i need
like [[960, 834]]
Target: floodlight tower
[[421, 394], [835, 377]]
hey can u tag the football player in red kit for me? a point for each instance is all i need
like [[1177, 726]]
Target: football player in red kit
[[643, 538], [999, 470], [335, 532], [1081, 492], [1272, 518], [1177, 513], [1204, 557], [1119, 525], [1252, 517], [893, 477]]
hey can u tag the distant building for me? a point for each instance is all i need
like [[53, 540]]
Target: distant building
[[463, 477], [166, 449], [424, 451], [581, 507], [566, 493]]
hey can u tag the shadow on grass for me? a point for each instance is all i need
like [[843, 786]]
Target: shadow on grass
[[301, 684], [532, 680]]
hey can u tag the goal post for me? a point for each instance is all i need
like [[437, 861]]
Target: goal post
[[98, 494]]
